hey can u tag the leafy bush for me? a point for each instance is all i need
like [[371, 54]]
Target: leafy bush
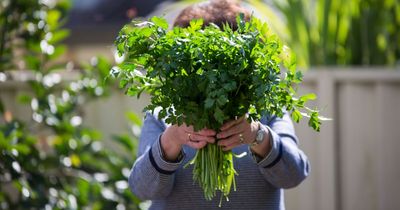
[[67, 167], [53, 161], [31, 32], [355, 32]]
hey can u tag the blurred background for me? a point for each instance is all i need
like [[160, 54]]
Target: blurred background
[[69, 135]]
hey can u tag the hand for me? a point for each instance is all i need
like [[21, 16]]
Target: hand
[[174, 137], [237, 132]]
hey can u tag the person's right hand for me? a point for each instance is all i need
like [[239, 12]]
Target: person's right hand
[[174, 137]]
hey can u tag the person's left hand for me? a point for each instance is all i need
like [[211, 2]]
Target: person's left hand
[[237, 132]]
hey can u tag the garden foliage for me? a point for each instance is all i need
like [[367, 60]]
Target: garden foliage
[[54, 161], [330, 32], [354, 32]]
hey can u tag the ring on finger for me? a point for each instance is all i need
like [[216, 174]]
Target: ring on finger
[[241, 139], [190, 138]]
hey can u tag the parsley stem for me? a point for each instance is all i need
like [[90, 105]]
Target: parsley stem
[[214, 171]]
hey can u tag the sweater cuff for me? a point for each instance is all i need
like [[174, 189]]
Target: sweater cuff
[[275, 154], [161, 165]]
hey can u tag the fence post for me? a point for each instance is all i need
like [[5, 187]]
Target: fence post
[[328, 187]]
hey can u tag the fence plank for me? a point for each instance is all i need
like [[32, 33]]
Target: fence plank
[[357, 152], [388, 145], [300, 197]]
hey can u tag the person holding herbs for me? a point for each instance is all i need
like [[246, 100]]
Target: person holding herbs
[[273, 160]]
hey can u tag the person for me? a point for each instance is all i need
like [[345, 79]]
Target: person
[[273, 161]]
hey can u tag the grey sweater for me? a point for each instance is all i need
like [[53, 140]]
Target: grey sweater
[[259, 184]]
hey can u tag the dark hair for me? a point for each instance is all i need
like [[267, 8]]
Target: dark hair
[[219, 12]]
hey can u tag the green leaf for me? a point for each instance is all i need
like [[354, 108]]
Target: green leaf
[[32, 62], [126, 141], [314, 121], [296, 115], [219, 115], [4, 144], [230, 86], [53, 16], [209, 103], [59, 51], [309, 96], [298, 77], [123, 83], [132, 117], [103, 66], [58, 36], [22, 148], [241, 22], [289, 59], [195, 24], [159, 21], [222, 100], [183, 72], [84, 190]]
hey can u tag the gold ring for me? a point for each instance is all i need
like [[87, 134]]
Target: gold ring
[[241, 139]]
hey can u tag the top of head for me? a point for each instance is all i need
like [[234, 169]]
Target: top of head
[[219, 12]]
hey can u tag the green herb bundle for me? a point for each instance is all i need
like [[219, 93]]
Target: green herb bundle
[[206, 75]]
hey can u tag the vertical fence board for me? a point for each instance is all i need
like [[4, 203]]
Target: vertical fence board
[[357, 105], [388, 145], [300, 197], [327, 150]]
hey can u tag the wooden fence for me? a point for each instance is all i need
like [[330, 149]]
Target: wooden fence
[[354, 159]]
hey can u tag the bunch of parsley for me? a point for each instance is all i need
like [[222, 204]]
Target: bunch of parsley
[[206, 75]]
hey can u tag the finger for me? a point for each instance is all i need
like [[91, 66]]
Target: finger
[[224, 142], [236, 129], [197, 145], [206, 132], [231, 123], [229, 143], [197, 137], [230, 147]]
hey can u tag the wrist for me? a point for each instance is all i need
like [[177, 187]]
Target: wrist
[[169, 146], [261, 145]]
